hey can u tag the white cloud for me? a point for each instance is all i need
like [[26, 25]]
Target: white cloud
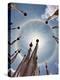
[[49, 11]]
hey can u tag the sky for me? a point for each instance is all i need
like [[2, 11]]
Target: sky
[[33, 27]]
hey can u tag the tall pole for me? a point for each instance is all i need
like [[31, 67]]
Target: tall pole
[[46, 66]]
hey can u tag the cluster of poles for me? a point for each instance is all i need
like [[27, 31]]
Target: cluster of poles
[[12, 57]]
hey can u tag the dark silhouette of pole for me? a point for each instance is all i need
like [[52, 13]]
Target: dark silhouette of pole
[[11, 55], [55, 27], [46, 66], [39, 72], [14, 28], [54, 14], [56, 38], [11, 58], [14, 41], [18, 10]]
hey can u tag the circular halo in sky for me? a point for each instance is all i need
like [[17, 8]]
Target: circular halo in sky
[[35, 29]]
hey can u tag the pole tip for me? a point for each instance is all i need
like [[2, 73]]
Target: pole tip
[[25, 14], [46, 22], [37, 40], [18, 27], [31, 44]]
